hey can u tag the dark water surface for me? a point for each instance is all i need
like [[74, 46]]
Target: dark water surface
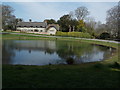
[[45, 52]]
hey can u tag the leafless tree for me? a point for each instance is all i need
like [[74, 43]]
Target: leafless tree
[[72, 15], [119, 19], [81, 13], [0, 17], [7, 15], [112, 20], [90, 24]]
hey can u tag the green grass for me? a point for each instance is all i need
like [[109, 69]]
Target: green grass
[[61, 76], [21, 37], [104, 74]]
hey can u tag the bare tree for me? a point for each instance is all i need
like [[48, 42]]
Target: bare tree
[[119, 19], [81, 13], [90, 25], [72, 15], [112, 21], [7, 15], [0, 17]]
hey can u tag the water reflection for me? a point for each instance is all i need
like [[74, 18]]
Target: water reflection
[[47, 52]]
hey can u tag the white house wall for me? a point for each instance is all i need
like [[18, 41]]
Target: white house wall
[[32, 29], [52, 30]]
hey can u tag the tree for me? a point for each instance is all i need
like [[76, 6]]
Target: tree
[[73, 21], [64, 23], [51, 21], [7, 16], [67, 24], [81, 13], [81, 26], [90, 25], [100, 28], [73, 24], [72, 15], [113, 17], [0, 17], [16, 21], [119, 20]]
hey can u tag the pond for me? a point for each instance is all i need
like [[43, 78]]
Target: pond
[[47, 52]]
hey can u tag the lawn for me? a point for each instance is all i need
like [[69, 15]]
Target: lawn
[[92, 75], [105, 74]]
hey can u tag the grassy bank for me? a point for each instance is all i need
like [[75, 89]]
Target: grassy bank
[[105, 74]]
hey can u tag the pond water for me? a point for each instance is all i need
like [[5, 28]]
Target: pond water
[[47, 52]]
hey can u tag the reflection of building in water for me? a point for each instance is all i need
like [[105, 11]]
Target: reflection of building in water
[[36, 45]]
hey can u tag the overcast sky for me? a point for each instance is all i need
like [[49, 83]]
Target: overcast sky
[[38, 11]]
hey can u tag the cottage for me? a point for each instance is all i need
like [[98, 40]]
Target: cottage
[[37, 27]]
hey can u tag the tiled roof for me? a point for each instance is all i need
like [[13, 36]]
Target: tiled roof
[[32, 24], [52, 25]]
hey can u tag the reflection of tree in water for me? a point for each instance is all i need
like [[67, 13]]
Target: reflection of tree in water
[[108, 51], [72, 50], [7, 51], [49, 51]]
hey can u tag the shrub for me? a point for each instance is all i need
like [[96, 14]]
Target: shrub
[[74, 34], [104, 35]]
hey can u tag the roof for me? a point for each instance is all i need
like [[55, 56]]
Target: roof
[[32, 24], [53, 25]]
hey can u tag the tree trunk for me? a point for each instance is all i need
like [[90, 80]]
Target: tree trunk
[[73, 28], [69, 28]]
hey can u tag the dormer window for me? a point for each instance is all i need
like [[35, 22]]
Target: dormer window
[[41, 26]]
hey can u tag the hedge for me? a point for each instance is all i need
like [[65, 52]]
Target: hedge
[[74, 34]]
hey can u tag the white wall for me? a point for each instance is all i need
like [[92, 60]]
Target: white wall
[[29, 29], [52, 30]]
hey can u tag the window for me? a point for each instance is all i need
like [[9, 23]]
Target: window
[[36, 30], [41, 31], [41, 26]]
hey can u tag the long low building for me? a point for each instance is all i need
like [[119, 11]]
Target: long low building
[[37, 27]]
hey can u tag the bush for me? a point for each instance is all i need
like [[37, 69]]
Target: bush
[[74, 34], [104, 35]]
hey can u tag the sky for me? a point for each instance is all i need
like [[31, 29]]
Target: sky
[[39, 11]]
